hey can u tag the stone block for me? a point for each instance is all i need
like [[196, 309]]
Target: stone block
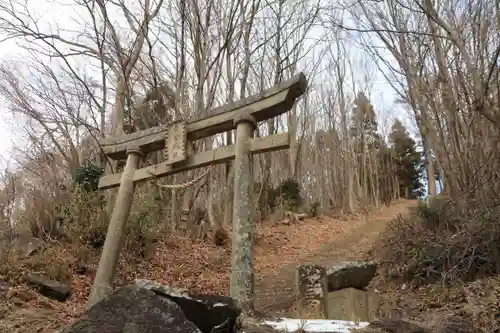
[[352, 304]]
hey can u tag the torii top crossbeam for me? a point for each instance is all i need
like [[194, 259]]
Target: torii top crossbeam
[[265, 105]]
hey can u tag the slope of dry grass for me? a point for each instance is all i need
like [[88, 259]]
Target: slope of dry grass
[[442, 261]]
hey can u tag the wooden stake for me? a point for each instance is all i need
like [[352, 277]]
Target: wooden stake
[[116, 230], [242, 276]]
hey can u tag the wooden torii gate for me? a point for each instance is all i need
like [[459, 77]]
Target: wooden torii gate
[[174, 138]]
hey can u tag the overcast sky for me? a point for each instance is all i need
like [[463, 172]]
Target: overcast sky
[[382, 95], [7, 134]]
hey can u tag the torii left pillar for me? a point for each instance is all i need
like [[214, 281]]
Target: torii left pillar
[[114, 237]]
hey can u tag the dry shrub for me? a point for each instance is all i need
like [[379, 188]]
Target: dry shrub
[[84, 228], [9, 269], [53, 262], [41, 213], [42, 188], [87, 222], [146, 223], [447, 241]]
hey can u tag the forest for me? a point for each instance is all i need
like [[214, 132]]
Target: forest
[[402, 103]]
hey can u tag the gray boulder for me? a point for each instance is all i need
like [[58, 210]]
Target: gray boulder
[[49, 288], [131, 309], [355, 274], [210, 313]]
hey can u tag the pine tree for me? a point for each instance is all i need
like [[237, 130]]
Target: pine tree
[[387, 176], [364, 132], [407, 160], [364, 127]]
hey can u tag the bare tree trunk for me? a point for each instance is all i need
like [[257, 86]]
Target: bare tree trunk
[[174, 210], [374, 179], [179, 103], [348, 158], [431, 175]]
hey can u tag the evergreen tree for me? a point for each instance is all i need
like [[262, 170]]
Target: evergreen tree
[[407, 160], [366, 142], [387, 175], [364, 127]]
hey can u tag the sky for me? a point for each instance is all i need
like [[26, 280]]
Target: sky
[[7, 134], [382, 94]]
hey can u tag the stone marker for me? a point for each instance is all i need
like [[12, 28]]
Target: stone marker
[[356, 274], [132, 309], [311, 291], [210, 313], [49, 288], [352, 304]]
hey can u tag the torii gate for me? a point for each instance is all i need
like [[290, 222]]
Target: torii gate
[[174, 138]]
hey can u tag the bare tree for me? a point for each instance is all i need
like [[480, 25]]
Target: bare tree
[[445, 66]]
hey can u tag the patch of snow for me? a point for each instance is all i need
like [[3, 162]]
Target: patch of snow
[[218, 305], [315, 325]]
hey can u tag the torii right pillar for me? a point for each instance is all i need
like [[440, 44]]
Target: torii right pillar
[[242, 284]]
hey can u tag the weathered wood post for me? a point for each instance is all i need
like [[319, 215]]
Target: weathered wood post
[[312, 291], [114, 237], [242, 277]]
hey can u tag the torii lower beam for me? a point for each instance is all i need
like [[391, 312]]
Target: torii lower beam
[[202, 159]]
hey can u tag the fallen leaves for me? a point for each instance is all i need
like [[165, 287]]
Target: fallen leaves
[[477, 301]]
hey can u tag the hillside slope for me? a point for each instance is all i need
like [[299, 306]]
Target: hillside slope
[[200, 267]]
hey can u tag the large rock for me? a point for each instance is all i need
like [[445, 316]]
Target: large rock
[[132, 309], [356, 274], [210, 313], [49, 288]]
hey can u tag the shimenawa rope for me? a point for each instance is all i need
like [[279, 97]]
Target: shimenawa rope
[[186, 184]]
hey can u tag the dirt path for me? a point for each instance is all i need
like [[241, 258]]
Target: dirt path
[[275, 293]]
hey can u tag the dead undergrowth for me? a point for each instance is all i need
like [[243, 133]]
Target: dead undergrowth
[[440, 261]]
